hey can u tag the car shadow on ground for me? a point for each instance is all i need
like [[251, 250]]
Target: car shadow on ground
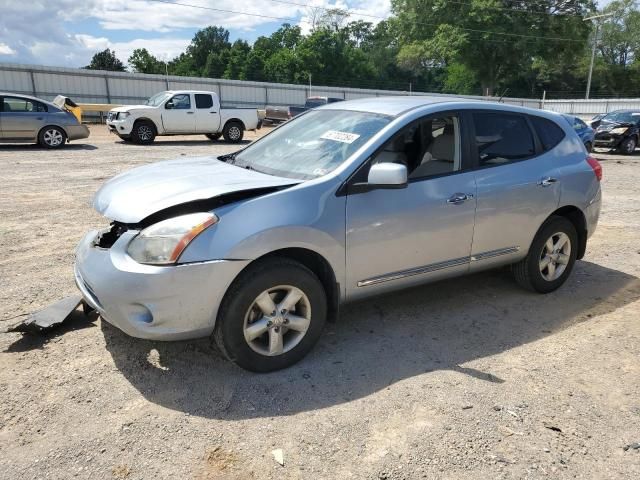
[[376, 343], [182, 143], [21, 147]]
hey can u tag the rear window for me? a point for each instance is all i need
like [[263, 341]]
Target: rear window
[[548, 132], [502, 138], [203, 100]]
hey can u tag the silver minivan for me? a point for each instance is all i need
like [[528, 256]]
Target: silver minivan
[[260, 247]]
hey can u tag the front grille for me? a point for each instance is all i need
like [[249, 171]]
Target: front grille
[[107, 237]]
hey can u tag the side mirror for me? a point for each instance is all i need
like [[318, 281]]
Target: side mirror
[[169, 105], [388, 175]]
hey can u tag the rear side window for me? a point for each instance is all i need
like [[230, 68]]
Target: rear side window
[[549, 133], [203, 100], [22, 105], [502, 138]]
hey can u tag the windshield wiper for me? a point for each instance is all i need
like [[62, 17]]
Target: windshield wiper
[[230, 158]]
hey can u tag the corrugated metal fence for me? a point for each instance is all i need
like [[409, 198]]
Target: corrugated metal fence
[[94, 86]]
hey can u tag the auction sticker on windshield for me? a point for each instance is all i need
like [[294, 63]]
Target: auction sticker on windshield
[[343, 137]]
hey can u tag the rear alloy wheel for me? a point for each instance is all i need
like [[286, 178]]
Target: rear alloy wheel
[[143, 132], [628, 146], [233, 132], [52, 137], [551, 257], [271, 316], [213, 136]]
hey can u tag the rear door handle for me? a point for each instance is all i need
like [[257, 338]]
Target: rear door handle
[[458, 198], [189, 113], [547, 181]]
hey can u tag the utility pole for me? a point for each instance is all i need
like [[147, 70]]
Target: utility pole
[[593, 50]]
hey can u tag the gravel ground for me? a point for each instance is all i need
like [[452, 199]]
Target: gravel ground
[[470, 378]]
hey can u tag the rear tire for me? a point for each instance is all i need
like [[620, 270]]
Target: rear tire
[[628, 146], [52, 137], [551, 257], [263, 341], [143, 132], [213, 136], [233, 132]]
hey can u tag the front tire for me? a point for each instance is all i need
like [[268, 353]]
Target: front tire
[[628, 146], [272, 315], [551, 257], [52, 137], [143, 132], [233, 132]]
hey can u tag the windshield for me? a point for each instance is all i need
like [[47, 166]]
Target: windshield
[[157, 99], [622, 117], [311, 145]]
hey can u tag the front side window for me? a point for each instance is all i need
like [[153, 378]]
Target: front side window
[[428, 147], [24, 105], [203, 100], [181, 101], [502, 138], [311, 145]]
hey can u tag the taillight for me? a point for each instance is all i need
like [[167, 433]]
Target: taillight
[[595, 164]]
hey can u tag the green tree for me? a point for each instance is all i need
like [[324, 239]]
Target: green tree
[[143, 62], [106, 60], [208, 41]]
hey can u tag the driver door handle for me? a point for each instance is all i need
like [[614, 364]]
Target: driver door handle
[[547, 181], [189, 113], [458, 198]]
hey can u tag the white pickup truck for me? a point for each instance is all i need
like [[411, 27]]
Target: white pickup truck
[[182, 112]]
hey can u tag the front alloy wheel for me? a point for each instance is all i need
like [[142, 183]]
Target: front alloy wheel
[[272, 315], [277, 320], [628, 145]]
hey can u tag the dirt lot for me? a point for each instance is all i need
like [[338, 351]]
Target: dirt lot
[[472, 378]]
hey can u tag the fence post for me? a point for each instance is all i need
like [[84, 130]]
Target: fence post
[[266, 96], [544, 97], [33, 83], [106, 82]]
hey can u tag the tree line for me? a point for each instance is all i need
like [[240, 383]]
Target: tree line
[[517, 48]]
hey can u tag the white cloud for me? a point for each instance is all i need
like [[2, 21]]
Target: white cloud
[[6, 49], [40, 34]]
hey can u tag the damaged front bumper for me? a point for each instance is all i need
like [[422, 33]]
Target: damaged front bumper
[[153, 302]]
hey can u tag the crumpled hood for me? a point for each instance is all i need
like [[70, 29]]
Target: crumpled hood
[[134, 195]]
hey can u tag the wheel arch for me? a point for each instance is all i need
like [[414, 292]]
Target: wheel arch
[[579, 221], [235, 120], [319, 265], [66, 134], [146, 119]]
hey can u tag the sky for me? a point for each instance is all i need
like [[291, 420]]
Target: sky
[[68, 32]]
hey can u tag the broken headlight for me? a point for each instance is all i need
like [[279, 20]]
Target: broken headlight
[[619, 131], [162, 243]]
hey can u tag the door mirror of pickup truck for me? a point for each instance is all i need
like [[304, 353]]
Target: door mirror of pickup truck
[[169, 105]]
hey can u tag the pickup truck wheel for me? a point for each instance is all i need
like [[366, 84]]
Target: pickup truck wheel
[[271, 316], [233, 132], [213, 136], [143, 132]]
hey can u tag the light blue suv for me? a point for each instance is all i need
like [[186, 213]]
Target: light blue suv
[[260, 247]]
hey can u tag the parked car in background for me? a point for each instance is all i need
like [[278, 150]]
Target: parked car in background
[[585, 132], [259, 247], [619, 130], [282, 114], [182, 112], [26, 119], [596, 118]]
